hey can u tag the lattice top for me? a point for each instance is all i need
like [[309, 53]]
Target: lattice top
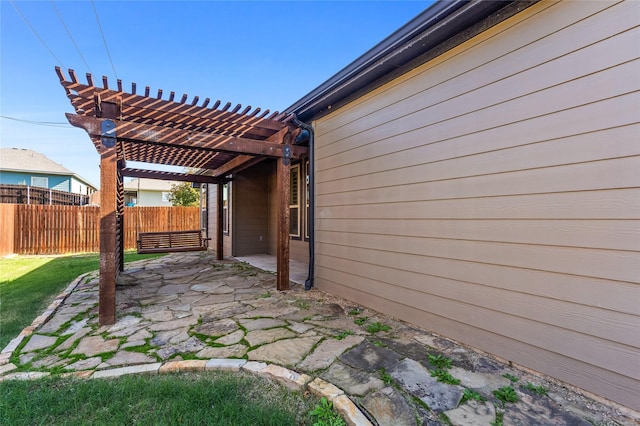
[[209, 127]]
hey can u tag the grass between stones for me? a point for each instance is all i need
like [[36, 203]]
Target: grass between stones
[[194, 398], [29, 283]]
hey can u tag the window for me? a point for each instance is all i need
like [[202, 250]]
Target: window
[[165, 197], [294, 201], [41, 182], [225, 208]]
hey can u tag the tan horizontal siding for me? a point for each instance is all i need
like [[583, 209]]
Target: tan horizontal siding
[[403, 167], [617, 357], [493, 194], [613, 264], [596, 175], [607, 204], [578, 373], [595, 292], [424, 143], [598, 234], [589, 320]]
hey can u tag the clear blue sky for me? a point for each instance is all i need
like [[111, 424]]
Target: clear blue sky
[[264, 54]]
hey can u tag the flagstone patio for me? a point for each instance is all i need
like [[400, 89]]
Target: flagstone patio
[[188, 312]]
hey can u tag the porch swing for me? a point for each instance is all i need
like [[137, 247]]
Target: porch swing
[[172, 241]]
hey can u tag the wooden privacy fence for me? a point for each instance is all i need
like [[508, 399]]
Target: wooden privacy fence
[[44, 229]]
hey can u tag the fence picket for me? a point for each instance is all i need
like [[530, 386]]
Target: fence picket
[[51, 229]]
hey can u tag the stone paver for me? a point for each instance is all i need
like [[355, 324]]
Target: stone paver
[[225, 364], [370, 358], [79, 334], [472, 414], [326, 353], [38, 342], [217, 328], [136, 369], [94, 345], [389, 408], [351, 380], [231, 338], [233, 351], [85, 364], [416, 379], [260, 337], [284, 352], [261, 323], [129, 358], [231, 317]]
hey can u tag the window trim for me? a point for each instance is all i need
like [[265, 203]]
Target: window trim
[[294, 168], [226, 197], [44, 179]]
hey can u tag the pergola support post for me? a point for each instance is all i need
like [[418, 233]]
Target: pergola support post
[[108, 245], [120, 215], [283, 188]]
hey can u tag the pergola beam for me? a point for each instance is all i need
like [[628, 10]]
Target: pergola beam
[[239, 163], [162, 175], [146, 133]]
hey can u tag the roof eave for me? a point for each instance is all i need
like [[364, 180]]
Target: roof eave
[[402, 50]]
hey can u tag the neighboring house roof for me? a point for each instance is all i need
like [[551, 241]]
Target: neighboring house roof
[[145, 184], [29, 161], [438, 29]]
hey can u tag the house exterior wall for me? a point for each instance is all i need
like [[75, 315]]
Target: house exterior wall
[[151, 198], [250, 210], [254, 213], [79, 187], [57, 182], [492, 195]]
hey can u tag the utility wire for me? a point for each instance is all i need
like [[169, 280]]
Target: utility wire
[[36, 34], [104, 39], [39, 123], [69, 34]]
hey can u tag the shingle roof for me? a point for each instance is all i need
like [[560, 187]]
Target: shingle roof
[[28, 160]]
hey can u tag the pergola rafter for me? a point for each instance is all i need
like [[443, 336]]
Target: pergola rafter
[[217, 139]]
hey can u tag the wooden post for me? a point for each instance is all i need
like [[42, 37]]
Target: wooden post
[[120, 210], [219, 228], [108, 188], [283, 177]]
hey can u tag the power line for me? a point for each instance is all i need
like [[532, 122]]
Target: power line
[[69, 34], [39, 123], [104, 39], [36, 34]]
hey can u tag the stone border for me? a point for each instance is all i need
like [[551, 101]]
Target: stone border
[[7, 352], [291, 379]]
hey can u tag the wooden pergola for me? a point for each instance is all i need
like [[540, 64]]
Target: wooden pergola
[[215, 138]]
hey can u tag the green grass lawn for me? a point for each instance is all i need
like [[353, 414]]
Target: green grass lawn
[[216, 398], [28, 284]]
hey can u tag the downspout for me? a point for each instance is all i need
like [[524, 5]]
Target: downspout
[[308, 284]]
